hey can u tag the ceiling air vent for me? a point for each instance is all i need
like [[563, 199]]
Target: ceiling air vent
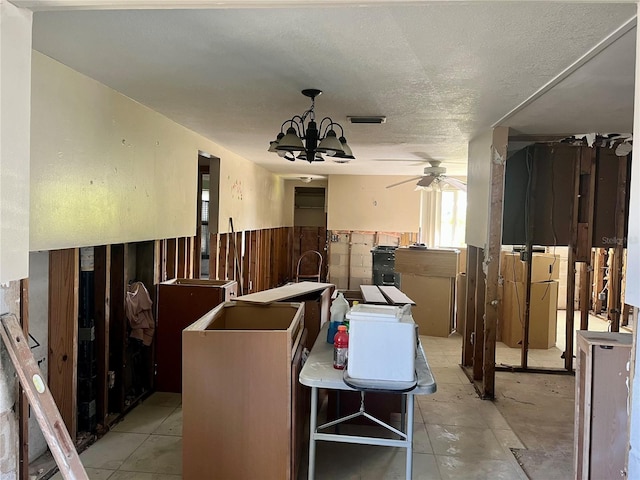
[[367, 119]]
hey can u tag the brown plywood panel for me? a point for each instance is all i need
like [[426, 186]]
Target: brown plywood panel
[[429, 262], [433, 311], [242, 381], [180, 303], [542, 319], [285, 292], [63, 332], [172, 250]]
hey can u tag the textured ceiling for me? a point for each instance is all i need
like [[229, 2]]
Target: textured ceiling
[[440, 72]]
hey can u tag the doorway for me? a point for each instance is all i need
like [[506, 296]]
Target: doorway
[[310, 227], [207, 212]]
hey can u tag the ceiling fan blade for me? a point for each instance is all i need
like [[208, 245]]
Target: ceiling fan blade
[[404, 181], [454, 182], [426, 180]]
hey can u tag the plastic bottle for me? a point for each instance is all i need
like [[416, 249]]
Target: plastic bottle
[[339, 308], [340, 348]]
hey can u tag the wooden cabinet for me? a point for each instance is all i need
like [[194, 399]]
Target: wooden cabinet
[[316, 297], [543, 314], [181, 302], [428, 276], [602, 396], [240, 390]]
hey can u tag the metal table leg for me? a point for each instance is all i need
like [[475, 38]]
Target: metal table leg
[[409, 467], [313, 422]]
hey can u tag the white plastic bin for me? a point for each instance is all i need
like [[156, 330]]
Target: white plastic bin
[[382, 344]]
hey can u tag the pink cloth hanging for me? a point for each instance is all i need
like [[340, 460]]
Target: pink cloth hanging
[[138, 309]]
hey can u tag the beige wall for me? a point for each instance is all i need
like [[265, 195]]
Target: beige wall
[[105, 169], [478, 188], [15, 74], [364, 203]]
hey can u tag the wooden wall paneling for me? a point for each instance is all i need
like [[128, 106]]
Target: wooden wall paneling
[[255, 260], [222, 256], [615, 273], [23, 402], [64, 268], [254, 265], [246, 257], [277, 257], [102, 294], [181, 258], [297, 245], [231, 269], [290, 249], [238, 257], [162, 260], [213, 256], [286, 256], [117, 326], [478, 336], [469, 326], [172, 253], [268, 250], [258, 258], [233, 256]]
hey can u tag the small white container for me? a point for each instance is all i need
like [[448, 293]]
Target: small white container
[[382, 344]]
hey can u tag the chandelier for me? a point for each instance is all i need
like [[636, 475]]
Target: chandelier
[[310, 141]]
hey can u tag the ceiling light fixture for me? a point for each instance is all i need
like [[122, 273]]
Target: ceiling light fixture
[[318, 140]]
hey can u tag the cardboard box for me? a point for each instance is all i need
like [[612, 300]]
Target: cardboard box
[[545, 267], [542, 316], [434, 297]]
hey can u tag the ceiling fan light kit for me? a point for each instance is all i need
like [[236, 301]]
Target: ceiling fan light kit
[[311, 140], [434, 179]]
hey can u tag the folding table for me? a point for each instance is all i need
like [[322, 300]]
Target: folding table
[[318, 372]]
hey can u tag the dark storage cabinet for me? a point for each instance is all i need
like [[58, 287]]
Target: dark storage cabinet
[[383, 269], [181, 302]]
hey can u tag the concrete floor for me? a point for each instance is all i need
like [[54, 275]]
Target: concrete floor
[[527, 432]]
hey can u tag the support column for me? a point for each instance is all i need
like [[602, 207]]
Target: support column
[[492, 258], [15, 127]]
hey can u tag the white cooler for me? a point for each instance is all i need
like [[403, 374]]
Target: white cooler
[[382, 344]]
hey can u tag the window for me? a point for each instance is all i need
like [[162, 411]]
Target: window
[[452, 218]]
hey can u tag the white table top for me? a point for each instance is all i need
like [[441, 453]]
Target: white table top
[[318, 370]]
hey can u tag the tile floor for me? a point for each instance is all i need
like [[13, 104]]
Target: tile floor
[[457, 436]]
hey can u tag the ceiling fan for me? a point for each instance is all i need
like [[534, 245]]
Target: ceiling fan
[[434, 175]]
